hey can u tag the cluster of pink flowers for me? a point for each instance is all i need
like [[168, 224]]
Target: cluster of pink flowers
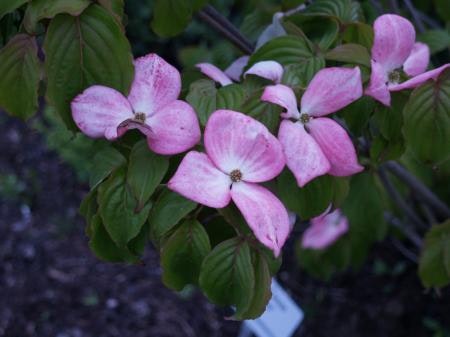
[[240, 152]]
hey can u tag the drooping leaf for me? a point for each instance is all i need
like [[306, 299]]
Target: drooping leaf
[[183, 254], [262, 292], [19, 76], [299, 75], [266, 113], [145, 171], [103, 164], [227, 276], [344, 10], [82, 51], [47, 9], [7, 6], [119, 210], [434, 264], [357, 115], [360, 33], [169, 209], [104, 247], [427, 120], [116, 7], [88, 209]]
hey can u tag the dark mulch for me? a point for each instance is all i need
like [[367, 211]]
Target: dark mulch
[[51, 285]]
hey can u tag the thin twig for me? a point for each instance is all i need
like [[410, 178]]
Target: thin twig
[[398, 199], [406, 230], [419, 188], [233, 35], [415, 14], [405, 251]]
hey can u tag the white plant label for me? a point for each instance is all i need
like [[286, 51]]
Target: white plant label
[[281, 318]]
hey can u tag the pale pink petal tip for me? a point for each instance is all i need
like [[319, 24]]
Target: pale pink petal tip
[[418, 60], [283, 96], [325, 230], [175, 129], [331, 89], [99, 112], [236, 141], [378, 88], [420, 79], [336, 145], [214, 73], [394, 38], [198, 179], [235, 69], [304, 157], [270, 70], [264, 213], [156, 83]]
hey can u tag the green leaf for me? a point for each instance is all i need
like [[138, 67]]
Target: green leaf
[[389, 120], [169, 209], [344, 10], [103, 164], [427, 120], [323, 31], [47, 9], [299, 75], [308, 201], [360, 33], [115, 7], [19, 76], [7, 6], [286, 50], [262, 292], [82, 51], [145, 172], [183, 254], [227, 276], [266, 113], [119, 209], [437, 39], [364, 210], [88, 209], [205, 98], [357, 115], [443, 9], [434, 263], [104, 247], [350, 53], [170, 17]]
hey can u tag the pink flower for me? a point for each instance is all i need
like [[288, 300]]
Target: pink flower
[[395, 51], [240, 152], [270, 70], [325, 230], [171, 125], [314, 145]]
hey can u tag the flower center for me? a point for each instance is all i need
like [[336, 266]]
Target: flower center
[[236, 176], [394, 77], [139, 117], [304, 118]]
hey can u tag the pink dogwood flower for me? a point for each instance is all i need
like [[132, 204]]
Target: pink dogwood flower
[[240, 153], [325, 230], [314, 145], [171, 125], [394, 51], [270, 70]]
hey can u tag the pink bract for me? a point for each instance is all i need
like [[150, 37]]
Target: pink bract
[[314, 145], [325, 230], [270, 70], [171, 125], [395, 50], [240, 152]]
